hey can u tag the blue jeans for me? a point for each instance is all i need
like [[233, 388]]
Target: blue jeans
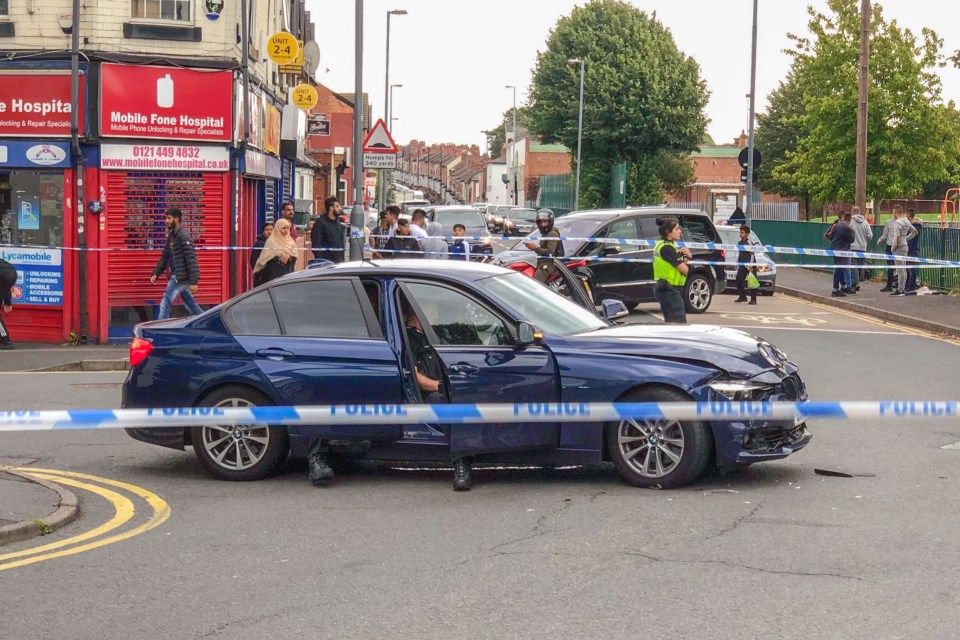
[[175, 289], [841, 277], [912, 274]]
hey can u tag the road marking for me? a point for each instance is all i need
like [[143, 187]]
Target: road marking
[[764, 320], [123, 506], [772, 328], [881, 323]]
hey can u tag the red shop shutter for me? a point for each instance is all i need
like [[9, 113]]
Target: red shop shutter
[[136, 232]]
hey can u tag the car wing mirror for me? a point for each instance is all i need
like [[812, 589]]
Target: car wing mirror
[[609, 250], [528, 334], [613, 309]]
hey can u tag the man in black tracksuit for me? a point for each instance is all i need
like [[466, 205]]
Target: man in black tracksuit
[[181, 257], [327, 233], [743, 258], [8, 278]]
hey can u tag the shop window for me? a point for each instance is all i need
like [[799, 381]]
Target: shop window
[[31, 208], [160, 10]]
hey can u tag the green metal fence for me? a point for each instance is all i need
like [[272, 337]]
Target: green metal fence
[[937, 243], [556, 192]]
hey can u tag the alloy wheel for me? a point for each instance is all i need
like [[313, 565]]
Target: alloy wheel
[[236, 447], [699, 294], [652, 448]]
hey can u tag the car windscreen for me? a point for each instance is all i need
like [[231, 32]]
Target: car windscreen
[[523, 214], [470, 218], [548, 311]]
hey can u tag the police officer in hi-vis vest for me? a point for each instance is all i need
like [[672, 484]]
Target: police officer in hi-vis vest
[[670, 271]]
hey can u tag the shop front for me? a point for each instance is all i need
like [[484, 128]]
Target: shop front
[[38, 230], [161, 148]]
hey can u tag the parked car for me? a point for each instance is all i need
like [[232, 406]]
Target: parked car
[[766, 267], [498, 215], [520, 222], [632, 282], [335, 334], [470, 218]]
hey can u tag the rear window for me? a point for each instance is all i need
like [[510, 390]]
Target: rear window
[[697, 229], [466, 217], [320, 309], [253, 316]]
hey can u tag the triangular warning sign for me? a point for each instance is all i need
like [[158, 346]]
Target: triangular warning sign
[[379, 140]]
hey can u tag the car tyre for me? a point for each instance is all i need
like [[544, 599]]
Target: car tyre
[[698, 293], [242, 452], [679, 453]]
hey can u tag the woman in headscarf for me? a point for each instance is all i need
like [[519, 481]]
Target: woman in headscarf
[[279, 253]]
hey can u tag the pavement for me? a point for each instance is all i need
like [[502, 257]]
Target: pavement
[[32, 507]]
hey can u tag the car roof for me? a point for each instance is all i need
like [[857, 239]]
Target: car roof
[[609, 214], [468, 271]]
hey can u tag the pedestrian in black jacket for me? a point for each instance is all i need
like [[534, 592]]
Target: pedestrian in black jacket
[[181, 257], [841, 240], [402, 245], [255, 253], [743, 259], [327, 233], [8, 278]]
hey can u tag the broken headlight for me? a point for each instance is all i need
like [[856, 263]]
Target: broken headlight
[[742, 389]]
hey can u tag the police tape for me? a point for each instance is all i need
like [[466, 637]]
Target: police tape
[[453, 414], [712, 246]]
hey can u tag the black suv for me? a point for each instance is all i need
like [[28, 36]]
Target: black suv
[[632, 282]]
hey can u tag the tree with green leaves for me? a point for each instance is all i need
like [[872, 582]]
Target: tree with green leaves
[[810, 133], [644, 99]]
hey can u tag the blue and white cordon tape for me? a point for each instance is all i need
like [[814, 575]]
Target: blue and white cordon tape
[[364, 414]]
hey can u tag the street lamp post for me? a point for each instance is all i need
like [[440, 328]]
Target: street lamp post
[[356, 214], [513, 147], [390, 117], [576, 193], [386, 101]]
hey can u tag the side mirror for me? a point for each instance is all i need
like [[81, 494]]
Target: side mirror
[[529, 334], [613, 309], [609, 250]]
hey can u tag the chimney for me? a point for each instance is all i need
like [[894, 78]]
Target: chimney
[[742, 140]]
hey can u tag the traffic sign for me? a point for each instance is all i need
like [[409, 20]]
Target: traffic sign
[[379, 140], [743, 175], [379, 160], [282, 48], [304, 96], [744, 157]]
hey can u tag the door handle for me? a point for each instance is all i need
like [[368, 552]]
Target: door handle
[[274, 353], [463, 369]]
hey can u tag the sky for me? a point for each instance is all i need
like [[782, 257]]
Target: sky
[[455, 57]]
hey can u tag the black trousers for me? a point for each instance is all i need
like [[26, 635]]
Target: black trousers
[[670, 298], [890, 272], [742, 284], [4, 334]]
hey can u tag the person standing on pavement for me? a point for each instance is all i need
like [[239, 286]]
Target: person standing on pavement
[[862, 234], [257, 249], [402, 245], [435, 247], [8, 278], [549, 248], [913, 250], [279, 255], [903, 233], [886, 239], [380, 235], [326, 237], [743, 259], [670, 270], [180, 256], [418, 228], [841, 240], [286, 212], [460, 249]]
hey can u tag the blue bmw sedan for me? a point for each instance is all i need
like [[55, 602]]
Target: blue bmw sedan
[[338, 334]]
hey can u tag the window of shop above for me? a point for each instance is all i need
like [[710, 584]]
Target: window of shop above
[[178, 10]]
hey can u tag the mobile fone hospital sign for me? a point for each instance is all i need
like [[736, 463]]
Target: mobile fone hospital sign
[[39, 275]]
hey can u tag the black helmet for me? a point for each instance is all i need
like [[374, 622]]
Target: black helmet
[[547, 215]]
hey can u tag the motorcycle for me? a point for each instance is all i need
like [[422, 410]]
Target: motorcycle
[[572, 280]]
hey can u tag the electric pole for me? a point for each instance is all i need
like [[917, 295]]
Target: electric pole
[[861, 180]]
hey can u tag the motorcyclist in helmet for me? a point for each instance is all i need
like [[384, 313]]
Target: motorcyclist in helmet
[[548, 248]]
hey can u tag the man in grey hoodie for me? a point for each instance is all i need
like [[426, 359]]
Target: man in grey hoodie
[[886, 239], [862, 234], [903, 233]]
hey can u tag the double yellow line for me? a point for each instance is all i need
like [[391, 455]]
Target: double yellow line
[[123, 506]]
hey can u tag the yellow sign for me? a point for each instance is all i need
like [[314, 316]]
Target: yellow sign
[[296, 66], [283, 48], [304, 96]]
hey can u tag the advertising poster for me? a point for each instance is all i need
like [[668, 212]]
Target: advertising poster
[[39, 275]]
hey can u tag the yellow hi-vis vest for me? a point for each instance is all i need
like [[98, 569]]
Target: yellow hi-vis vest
[[663, 270]]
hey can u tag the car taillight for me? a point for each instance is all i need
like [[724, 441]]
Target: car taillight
[[139, 350]]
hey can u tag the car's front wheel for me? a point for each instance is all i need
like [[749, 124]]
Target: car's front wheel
[[662, 454], [242, 452], [698, 293]]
